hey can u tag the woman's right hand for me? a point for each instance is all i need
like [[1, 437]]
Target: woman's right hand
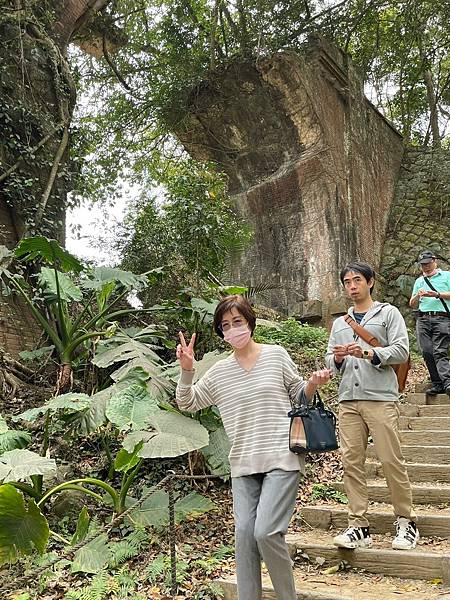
[[185, 352]]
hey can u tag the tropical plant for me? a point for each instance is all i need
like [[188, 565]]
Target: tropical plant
[[153, 434], [12, 439], [64, 284]]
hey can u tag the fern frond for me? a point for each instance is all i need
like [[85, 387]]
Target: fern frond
[[128, 547]]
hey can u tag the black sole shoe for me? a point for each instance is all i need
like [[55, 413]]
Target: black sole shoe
[[434, 391]]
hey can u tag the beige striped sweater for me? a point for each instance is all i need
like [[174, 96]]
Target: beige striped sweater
[[253, 405]]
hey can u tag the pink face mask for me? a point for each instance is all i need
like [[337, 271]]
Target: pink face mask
[[238, 337]]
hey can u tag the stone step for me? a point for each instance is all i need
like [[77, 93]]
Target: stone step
[[425, 438], [417, 472], [312, 584], [422, 399], [422, 494], [415, 410], [335, 517], [419, 454], [425, 423], [439, 400], [411, 564], [303, 593]]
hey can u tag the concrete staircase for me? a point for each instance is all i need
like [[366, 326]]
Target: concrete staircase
[[324, 572]]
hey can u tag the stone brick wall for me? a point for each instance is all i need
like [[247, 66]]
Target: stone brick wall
[[312, 168], [419, 219]]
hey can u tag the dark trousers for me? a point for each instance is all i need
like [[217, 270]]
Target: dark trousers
[[433, 334]]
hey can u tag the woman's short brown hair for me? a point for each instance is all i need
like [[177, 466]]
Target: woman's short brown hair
[[238, 302]]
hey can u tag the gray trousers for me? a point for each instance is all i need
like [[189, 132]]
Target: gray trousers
[[263, 505], [433, 333]]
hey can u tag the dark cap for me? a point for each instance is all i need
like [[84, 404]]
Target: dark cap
[[425, 257]]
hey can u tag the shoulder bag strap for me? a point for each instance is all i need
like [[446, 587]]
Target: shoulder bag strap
[[430, 285], [361, 332]]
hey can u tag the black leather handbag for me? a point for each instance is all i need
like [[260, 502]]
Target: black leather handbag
[[313, 427]]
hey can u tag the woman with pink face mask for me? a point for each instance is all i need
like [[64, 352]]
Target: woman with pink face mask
[[253, 389]]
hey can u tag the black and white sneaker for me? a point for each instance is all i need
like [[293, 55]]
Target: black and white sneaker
[[353, 537], [406, 536]]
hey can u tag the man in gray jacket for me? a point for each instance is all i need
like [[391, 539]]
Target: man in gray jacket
[[368, 396]]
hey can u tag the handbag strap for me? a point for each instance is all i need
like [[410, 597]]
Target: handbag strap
[[430, 285], [361, 332], [302, 401]]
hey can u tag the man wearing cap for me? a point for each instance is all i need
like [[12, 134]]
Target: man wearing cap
[[431, 295]]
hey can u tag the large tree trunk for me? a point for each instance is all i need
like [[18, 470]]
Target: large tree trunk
[[37, 98]]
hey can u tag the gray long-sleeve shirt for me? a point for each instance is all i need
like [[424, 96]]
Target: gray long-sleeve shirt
[[253, 405], [362, 380]]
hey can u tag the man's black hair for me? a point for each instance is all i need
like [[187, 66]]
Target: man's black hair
[[358, 267]]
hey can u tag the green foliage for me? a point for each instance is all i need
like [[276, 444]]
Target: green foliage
[[99, 290], [131, 408], [92, 557], [22, 526], [403, 49], [322, 491], [160, 568], [99, 588], [36, 355], [193, 233], [130, 546], [82, 528], [18, 465], [11, 439], [154, 512], [216, 453], [294, 336], [46, 251], [167, 435]]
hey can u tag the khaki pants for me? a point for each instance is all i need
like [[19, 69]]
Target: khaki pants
[[358, 419]]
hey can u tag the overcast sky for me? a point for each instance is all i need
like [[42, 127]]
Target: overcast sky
[[94, 220]]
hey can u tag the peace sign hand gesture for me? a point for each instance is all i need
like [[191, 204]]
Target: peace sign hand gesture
[[185, 352]]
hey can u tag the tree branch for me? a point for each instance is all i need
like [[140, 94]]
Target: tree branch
[[33, 150], [51, 179]]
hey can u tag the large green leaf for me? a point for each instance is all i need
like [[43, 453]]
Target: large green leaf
[[92, 557], [30, 415], [209, 359], [82, 528], [204, 309], [72, 401], [125, 460], [125, 352], [17, 465], [99, 276], [22, 526], [154, 512], [131, 408], [94, 416], [12, 439], [217, 451], [49, 251], [157, 385], [68, 291], [173, 435], [193, 504]]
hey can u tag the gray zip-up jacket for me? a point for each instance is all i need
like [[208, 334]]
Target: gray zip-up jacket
[[361, 380]]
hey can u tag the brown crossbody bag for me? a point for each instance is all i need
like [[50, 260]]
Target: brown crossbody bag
[[401, 369]]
